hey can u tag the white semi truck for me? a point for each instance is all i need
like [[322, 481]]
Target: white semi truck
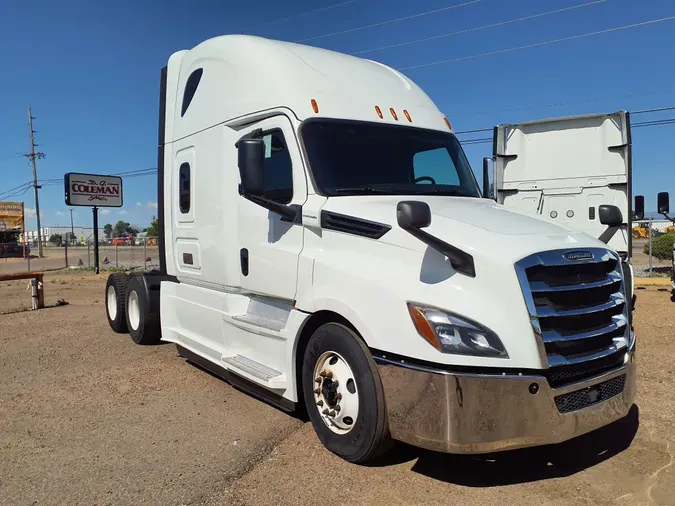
[[326, 247]]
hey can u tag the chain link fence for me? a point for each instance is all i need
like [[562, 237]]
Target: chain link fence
[[652, 252], [115, 254]]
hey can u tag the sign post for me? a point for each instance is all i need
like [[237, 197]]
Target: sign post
[[95, 210], [96, 191]]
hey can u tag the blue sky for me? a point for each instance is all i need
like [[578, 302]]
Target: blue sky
[[90, 71]]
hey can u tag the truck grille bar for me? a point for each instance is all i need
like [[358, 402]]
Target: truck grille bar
[[577, 306]]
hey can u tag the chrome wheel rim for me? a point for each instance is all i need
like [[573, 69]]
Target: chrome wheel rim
[[336, 395]]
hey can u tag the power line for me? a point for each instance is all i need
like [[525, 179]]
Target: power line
[[19, 192], [666, 121], [20, 187], [474, 131], [388, 22], [538, 44], [484, 140], [560, 104], [484, 27], [130, 173], [660, 122], [653, 110], [307, 13]]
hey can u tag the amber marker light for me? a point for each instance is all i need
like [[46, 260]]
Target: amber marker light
[[423, 327]]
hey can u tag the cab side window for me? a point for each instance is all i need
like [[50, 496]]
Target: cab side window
[[278, 168]]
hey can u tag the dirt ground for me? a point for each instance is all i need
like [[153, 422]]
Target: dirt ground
[[87, 417]]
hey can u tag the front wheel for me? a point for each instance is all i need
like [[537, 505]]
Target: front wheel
[[344, 395]]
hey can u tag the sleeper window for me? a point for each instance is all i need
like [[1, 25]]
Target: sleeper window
[[278, 168], [184, 188], [190, 90]]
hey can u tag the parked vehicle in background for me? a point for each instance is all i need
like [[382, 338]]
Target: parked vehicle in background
[[564, 169], [14, 250], [325, 246]]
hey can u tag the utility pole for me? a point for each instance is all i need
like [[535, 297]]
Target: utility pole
[[32, 156], [72, 229]]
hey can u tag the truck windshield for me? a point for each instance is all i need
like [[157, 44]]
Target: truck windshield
[[356, 158]]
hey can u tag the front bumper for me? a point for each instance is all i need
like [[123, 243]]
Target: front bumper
[[481, 413]]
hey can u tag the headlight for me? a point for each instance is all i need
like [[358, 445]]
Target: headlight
[[450, 333]]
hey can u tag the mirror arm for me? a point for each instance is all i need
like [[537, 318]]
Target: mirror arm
[[667, 215], [251, 135], [292, 213], [608, 234], [460, 261]]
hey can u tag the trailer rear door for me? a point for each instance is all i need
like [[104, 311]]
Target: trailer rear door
[[565, 168]]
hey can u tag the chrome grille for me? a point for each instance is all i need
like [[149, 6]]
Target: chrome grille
[[577, 306]]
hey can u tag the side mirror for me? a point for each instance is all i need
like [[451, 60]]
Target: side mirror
[[610, 215], [639, 207], [413, 214], [662, 203], [251, 166]]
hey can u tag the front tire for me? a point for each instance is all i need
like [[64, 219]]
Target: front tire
[[343, 394], [144, 327]]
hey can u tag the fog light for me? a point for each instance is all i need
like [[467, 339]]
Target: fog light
[[534, 388]]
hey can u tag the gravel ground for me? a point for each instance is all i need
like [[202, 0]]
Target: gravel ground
[[87, 417]]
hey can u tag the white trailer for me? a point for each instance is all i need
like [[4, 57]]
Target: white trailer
[[326, 247]]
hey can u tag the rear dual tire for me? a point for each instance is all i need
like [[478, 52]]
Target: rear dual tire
[[143, 324], [115, 301], [129, 310]]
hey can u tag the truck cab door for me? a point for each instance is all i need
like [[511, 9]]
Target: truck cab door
[[269, 245], [565, 168]]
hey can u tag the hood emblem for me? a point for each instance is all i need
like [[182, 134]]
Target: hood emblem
[[573, 256]]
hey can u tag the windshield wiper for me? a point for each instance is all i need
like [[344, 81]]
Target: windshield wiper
[[367, 190], [441, 191]]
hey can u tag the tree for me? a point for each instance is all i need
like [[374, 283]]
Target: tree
[[108, 230], [123, 228], [56, 239], [662, 246], [153, 229]]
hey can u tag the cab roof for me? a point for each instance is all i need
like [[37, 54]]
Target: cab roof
[[237, 75]]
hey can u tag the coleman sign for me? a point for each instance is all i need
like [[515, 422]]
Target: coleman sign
[[93, 190], [11, 216]]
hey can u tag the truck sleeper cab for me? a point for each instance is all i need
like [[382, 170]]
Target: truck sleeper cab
[[325, 245]]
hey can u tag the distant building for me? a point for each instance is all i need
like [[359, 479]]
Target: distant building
[[82, 234]]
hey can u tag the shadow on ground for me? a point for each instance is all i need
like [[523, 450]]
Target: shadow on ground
[[521, 466]]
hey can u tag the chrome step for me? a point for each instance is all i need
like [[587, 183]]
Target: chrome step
[[252, 367]]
